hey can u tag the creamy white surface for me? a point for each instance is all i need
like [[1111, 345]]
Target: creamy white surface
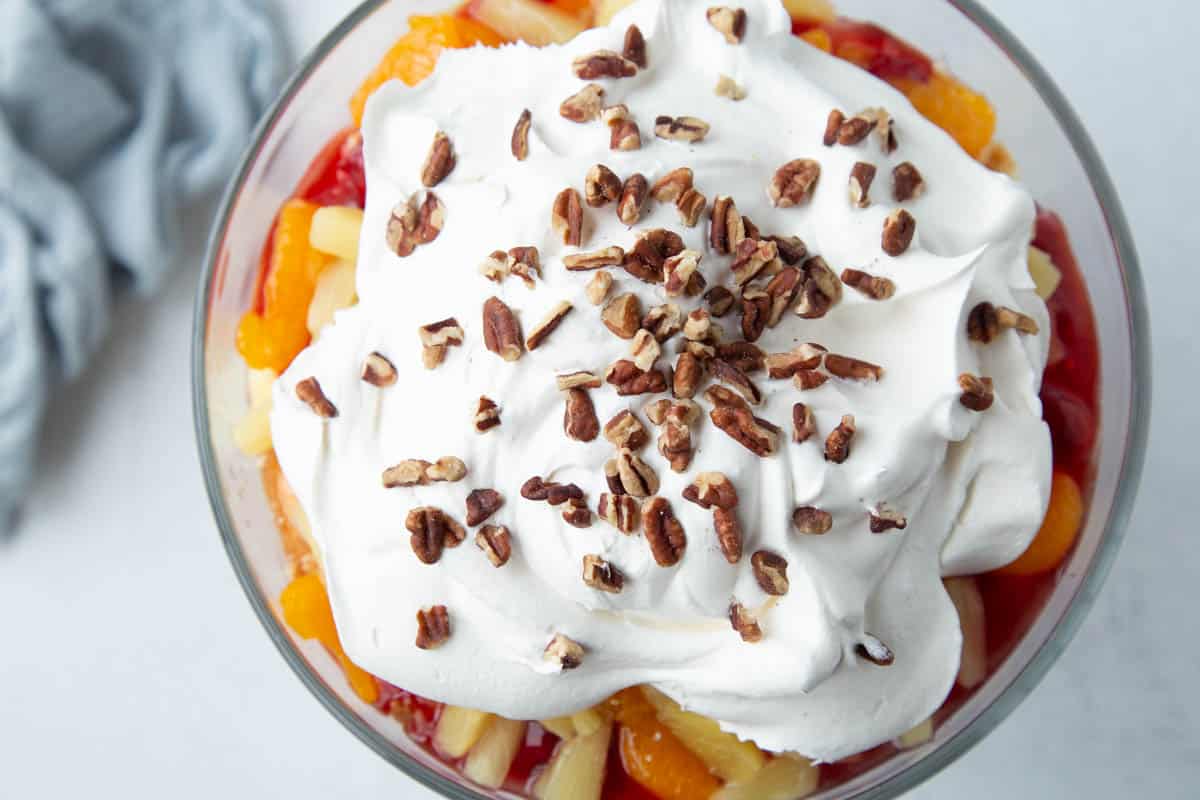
[[973, 486]]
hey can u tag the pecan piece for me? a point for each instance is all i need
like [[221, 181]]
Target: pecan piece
[[802, 357], [564, 652], [663, 532], [598, 287], [487, 414], [377, 370], [862, 175], [812, 520], [664, 321], [728, 87], [698, 327], [856, 129], [688, 374], [750, 258], [756, 312], [783, 289], [600, 574], [541, 331], [580, 379], [680, 129], [691, 205], [536, 488], [792, 249], [736, 379], [621, 511], [977, 393], [873, 286], [756, 435], [584, 105], [607, 257], [712, 489], [679, 270], [822, 289], [729, 534], [496, 543], [986, 322], [675, 441], [719, 396], [577, 514], [644, 349], [883, 520], [720, 301], [566, 217], [623, 315], [612, 477], [793, 184], [481, 504], [432, 531], [729, 22], [804, 424], [907, 183], [727, 228], [624, 135], [431, 218], [770, 570], [875, 651], [637, 477], [410, 472], [744, 622], [501, 332], [1007, 319], [635, 46], [837, 444], [447, 468], [633, 198], [626, 430], [433, 627], [439, 162], [559, 493], [898, 231], [603, 64], [579, 418], [400, 233], [443, 332], [806, 379], [671, 186], [832, 126], [630, 380], [310, 393], [852, 369], [601, 186], [520, 136]]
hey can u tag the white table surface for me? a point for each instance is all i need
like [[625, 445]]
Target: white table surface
[[132, 666]]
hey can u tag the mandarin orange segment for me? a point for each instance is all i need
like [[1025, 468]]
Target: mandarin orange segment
[[954, 107], [818, 38], [306, 611], [654, 757], [412, 58], [1054, 540], [577, 8]]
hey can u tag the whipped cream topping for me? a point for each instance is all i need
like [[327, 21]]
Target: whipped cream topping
[[973, 486]]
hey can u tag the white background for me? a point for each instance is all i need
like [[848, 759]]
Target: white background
[[131, 665]]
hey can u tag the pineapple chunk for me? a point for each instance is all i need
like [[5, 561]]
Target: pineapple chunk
[[562, 727], [252, 434], [1046, 276], [788, 777], [811, 9], [335, 229], [527, 20], [258, 386], [492, 756], [577, 770], [588, 721], [726, 756], [458, 730], [964, 593], [917, 736], [605, 10], [333, 292]]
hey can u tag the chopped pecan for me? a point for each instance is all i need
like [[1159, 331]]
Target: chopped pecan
[[601, 186], [854, 130], [752, 230], [623, 315], [907, 183], [566, 217], [832, 126], [607, 257], [664, 321], [410, 472], [883, 520], [873, 286], [433, 627], [727, 228], [783, 289], [728, 87], [737, 380], [310, 393], [635, 46], [709, 489], [862, 175], [446, 332], [633, 198], [750, 258], [612, 477], [637, 477], [439, 162], [688, 374], [520, 136], [744, 622], [729, 534], [663, 532], [653, 248], [630, 380], [770, 570], [1008, 319], [802, 357], [729, 22], [720, 300], [626, 430], [579, 418], [564, 652], [701, 350], [671, 186], [624, 135], [656, 411], [536, 488], [431, 218], [691, 205], [837, 444], [495, 266], [675, 441], [885, 128], [600, 574], [698, 327], [481, 504], [401, 230], [487, 414], [525, 263], [812, 520], [621, 511], [432, 531], [792, 249], [804, 424], [501, 332], [584, 105], [806, 379], [377, 370], [559, 493], [977, 393], [496, 543], [680, 129], [720, 396], [756, 435], [756, 312], [822, 289], [580, 379], [603, 64], [898, 231], [598, 287], [577, 514], [793, 184], [852, 369], [875, 651], [644, 349], [541, 331], [678, 271], [447, 468]]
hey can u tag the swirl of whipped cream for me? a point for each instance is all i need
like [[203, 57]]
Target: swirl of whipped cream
[[973, 486]]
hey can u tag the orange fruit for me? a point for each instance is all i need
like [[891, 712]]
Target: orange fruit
[[653, 756], [1059, 530], [306, 611], [954, 107]]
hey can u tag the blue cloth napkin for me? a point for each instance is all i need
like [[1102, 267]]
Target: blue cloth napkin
[[113, 115]]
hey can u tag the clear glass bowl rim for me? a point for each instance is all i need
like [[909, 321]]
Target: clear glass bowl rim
[[1132, 456]]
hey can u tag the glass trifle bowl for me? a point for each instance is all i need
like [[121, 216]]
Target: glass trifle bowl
[[288, 213]]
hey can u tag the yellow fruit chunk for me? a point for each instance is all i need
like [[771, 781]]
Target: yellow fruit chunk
[[576, 772], [1058, 532], [811, 9], [588, 720], [726, 755], [335, 290], [492, 756], [1046, 276], [787, 777], [252, 434], [458, 730], [916, 737], [654, 757], [968, 602], [818, 38], [335, 231], [306, 611], [414, 55], [955, 108], [562, 727], [527, 20], [605, 10]]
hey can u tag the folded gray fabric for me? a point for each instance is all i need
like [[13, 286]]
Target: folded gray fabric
[[113, 115]]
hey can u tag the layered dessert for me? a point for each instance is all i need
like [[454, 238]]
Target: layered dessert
[[671, 408]]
